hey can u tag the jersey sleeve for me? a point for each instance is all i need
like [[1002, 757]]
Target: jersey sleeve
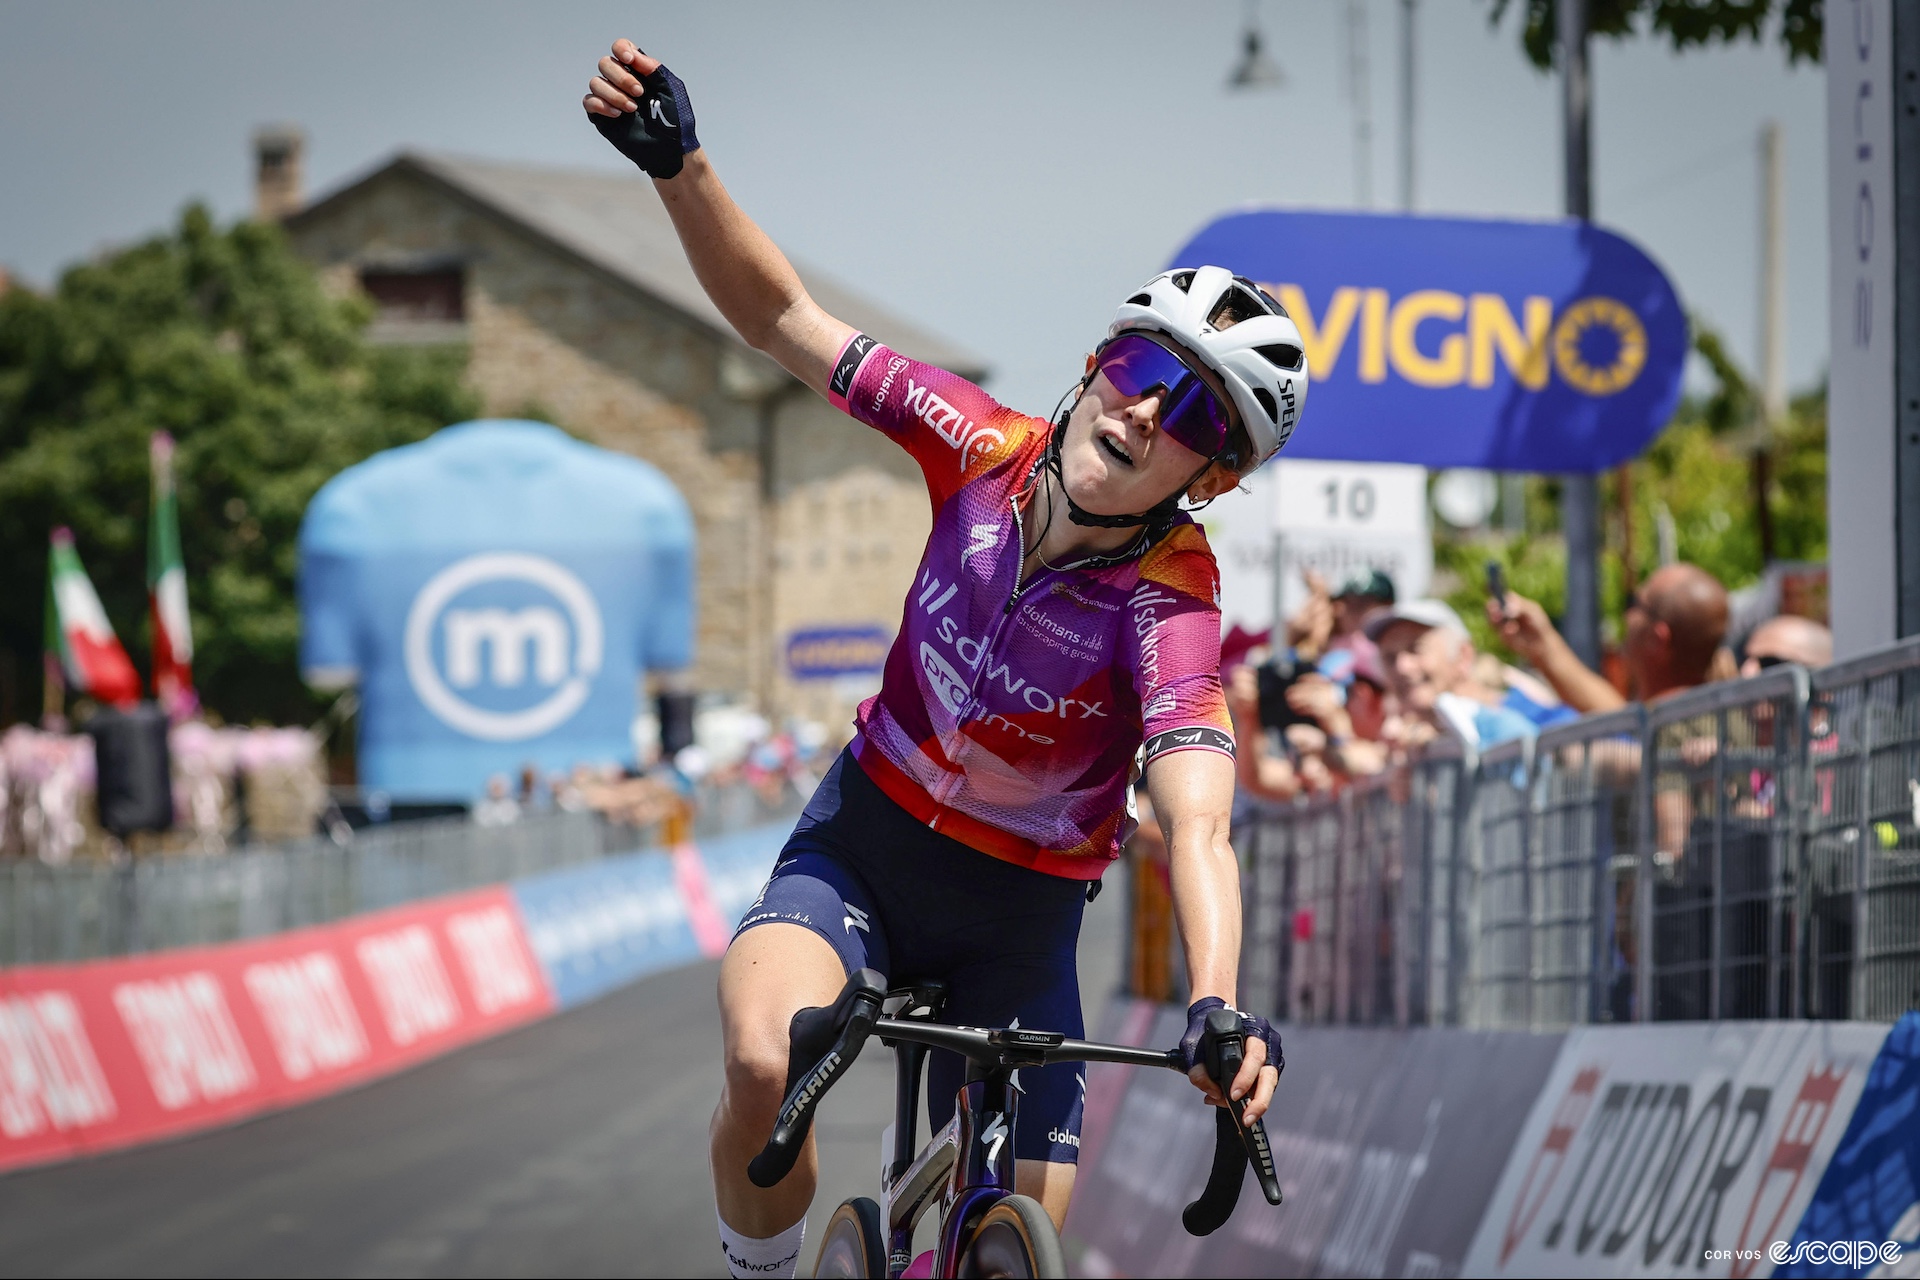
[[953, 429], [1174, 634], [329, 619]]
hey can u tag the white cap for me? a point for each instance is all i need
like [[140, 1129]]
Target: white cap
[[1428, 613]]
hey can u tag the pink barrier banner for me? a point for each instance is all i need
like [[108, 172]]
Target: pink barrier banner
[[111, 1053]]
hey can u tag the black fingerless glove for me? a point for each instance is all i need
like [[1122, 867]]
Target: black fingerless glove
[[658, 136], [1193, 1052]]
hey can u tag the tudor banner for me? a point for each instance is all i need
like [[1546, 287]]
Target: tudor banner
[[1458, 342], [1674, 1149]]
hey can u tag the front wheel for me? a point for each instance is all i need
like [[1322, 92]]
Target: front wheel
[[854, 1247], [1015, 1238]]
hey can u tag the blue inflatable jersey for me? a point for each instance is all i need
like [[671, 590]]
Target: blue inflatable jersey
[[496, 591]]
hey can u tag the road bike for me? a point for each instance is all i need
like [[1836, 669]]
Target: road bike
[[968, 1167]]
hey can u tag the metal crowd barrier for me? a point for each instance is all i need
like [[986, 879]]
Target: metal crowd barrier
[[1749, 849], [89, 909]]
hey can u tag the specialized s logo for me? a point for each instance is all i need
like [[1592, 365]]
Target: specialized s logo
[[981, 537], [969, 438], [994, 1136]]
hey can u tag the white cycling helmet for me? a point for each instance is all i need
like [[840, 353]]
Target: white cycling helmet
[[1259, 356]]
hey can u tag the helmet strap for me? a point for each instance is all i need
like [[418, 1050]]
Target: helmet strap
[[1157, 518]]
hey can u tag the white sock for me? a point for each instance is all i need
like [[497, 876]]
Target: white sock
[[774, 1258]]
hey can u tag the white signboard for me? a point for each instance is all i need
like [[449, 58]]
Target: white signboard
[[1333, 517], [1339, 517], [1682, 1149], [1860, 269]]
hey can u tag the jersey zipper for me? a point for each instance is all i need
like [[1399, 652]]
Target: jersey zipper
[[988, 649]]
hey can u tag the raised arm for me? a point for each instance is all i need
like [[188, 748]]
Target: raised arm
[[743, 271], [1524, 625]]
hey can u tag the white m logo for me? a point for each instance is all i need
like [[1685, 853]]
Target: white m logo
[[492, 643], [508, 635]]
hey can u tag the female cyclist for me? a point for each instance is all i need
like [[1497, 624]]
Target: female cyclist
[[1063, 625]]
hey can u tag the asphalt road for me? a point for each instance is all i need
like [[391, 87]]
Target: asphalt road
[[573, 1147]]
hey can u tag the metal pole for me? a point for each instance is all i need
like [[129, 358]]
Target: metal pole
[[1408, 10], [1579, 494], [1360, 84], [1772, 404], [1773, 272], [1905, 22]]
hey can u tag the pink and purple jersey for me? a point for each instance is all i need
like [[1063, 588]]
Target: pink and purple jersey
[[1010, 713]]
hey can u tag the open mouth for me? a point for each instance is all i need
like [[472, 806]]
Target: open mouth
[[1116, 450]]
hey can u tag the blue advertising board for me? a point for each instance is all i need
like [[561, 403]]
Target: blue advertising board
[[821, 653], [599, 926], [1870, 1192], [496, 592], [1459, 342]]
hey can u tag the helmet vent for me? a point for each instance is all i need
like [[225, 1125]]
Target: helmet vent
[[1183, 280], [1140, 300], [1265, 397], [1283, 355], [1236, 305]]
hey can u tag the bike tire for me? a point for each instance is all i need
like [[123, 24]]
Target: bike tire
[[1015, 1239], [853, 1247]]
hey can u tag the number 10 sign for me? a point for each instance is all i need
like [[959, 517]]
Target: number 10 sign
[[1340, 517]]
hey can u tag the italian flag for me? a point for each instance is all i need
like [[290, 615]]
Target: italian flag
[[78, 631], [167, 590]]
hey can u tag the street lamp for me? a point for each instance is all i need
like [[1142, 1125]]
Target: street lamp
[[1256, 68]]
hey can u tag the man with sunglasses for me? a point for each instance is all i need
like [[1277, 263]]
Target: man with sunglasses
[[1062, 632], [1786, 638]]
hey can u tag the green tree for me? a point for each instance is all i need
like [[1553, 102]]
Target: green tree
[[1685, 23], [1692, 496], [226, 339]]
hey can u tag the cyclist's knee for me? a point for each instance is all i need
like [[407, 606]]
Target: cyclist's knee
[[769, 974], [757, 1071]]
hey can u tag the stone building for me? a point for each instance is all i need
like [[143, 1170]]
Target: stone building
[[571, 294]]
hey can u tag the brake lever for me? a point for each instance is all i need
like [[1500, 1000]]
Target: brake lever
[[1237, 1142], [856, 1011]]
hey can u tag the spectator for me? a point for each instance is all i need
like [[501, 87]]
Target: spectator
[[1312, 625], [1787, 639], [498, 809], [1265, 771], [1531, 696], [1360, 595], [1429, 659], [1352, 720], [1675, 622]]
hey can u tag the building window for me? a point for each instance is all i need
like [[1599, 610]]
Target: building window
[[416, 296]]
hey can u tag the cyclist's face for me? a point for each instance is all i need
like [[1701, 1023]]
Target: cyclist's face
[[1116, 460]]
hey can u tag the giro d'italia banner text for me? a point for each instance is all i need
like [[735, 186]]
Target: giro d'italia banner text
[[1458, 342]]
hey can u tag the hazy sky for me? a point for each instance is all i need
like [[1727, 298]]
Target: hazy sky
[[1002, 173]]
